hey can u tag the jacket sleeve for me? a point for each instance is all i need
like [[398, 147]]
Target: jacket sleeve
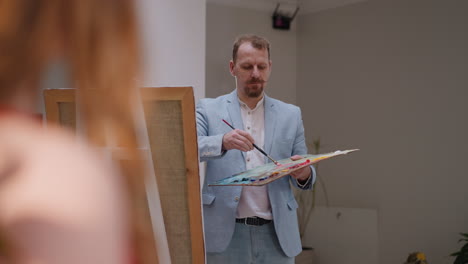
[[209, 146], [300, 148]]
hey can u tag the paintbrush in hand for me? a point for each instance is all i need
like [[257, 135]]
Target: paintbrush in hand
[[255, 146]]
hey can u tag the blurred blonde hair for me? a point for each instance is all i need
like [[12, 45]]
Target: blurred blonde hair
[[98, 38], [99, 41]]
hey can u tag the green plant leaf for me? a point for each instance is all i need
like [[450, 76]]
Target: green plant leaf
[[462, 254]]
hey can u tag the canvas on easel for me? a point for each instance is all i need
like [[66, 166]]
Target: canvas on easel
[[171, 126], [60, 107]]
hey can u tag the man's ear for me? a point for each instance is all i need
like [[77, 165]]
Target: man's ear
[[231, 67]]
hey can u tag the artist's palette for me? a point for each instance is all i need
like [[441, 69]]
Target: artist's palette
[[270, 172]]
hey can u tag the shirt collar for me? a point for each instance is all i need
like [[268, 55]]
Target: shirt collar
[[259, 103]]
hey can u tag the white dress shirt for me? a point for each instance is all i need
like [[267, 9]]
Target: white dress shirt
[[254, 200]]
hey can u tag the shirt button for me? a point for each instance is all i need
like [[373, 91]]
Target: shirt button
[[248, 159], [236, 198], [248, 128], [248, 113]]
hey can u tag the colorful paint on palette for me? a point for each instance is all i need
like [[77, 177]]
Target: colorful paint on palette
[[270, 172]]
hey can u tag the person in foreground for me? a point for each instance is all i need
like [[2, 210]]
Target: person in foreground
[[61, 201], [250, 224]]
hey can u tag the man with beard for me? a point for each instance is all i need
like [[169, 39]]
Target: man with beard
[[250, 224]]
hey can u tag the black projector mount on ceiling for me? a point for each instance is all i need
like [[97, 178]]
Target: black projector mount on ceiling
[[282, 21]]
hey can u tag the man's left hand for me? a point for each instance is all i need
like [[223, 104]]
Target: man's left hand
[[301, 174]]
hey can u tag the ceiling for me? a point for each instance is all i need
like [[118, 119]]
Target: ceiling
[[306, 6]]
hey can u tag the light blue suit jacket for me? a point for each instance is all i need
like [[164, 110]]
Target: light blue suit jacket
[[284, 137]]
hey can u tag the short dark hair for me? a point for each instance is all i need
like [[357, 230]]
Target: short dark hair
[[256, 42]]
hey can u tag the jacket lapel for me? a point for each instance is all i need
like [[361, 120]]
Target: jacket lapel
[[270, 125], [235, 118], [233, 108]]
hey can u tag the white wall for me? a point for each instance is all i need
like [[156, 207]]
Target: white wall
[[173, 46], [174, 43], [223, 24], [344, 235], [390, 77]]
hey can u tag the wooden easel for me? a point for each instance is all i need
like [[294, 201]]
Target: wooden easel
[[169, 113]]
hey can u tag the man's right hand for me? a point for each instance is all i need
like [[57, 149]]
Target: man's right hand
[[238, 139]]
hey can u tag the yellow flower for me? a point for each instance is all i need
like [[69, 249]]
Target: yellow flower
[[420, 256]]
